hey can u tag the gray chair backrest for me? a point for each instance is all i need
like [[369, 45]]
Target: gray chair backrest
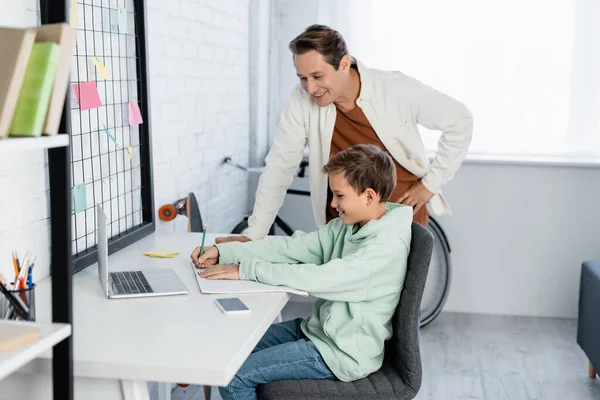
[[402, 350]]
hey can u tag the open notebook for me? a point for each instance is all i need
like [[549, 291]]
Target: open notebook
[[208, 286]]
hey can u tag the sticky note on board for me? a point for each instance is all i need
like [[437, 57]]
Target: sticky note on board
[[122, 20], [87, 95], [110, 136], [102, 71], [80, 197], [130, 152], [73, 14], [111, 24], [135, 116]]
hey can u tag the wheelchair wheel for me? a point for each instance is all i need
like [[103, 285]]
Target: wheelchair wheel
[[439, 276]]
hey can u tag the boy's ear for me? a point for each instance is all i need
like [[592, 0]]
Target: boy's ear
[[371, 196]]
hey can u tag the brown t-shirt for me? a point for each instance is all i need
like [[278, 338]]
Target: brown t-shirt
[[353, 128]]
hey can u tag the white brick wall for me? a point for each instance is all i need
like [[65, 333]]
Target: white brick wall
[[199, 95], [199, 85]]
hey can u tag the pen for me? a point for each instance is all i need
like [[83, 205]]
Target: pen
[[203, 237], [18, 262], [30, 276], [15, 265]]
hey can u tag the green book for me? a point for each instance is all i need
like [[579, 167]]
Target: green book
[[34, 96]]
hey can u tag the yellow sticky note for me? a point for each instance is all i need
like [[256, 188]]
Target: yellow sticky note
[[130, 152], [73, 18], [102, 71], [160, 253]]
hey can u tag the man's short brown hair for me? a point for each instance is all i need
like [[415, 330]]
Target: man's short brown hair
[[323, 39], [365, 166]]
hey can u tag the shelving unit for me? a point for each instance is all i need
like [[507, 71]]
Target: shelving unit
[[57, 335], [12, 360], [43, 142], [61, 259]]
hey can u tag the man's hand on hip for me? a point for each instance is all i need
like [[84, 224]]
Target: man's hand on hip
[[227, 239], [416, 196]]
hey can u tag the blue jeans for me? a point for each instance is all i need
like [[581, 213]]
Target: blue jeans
[[284, 353]]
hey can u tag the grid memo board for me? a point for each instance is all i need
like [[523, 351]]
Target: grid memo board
[[105, 147]]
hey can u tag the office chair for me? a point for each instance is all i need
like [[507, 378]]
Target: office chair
[[400, 375]]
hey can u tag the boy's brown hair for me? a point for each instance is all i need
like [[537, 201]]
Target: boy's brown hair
[[323, 39], [365, 166]]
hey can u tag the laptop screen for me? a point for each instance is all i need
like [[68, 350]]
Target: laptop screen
[[101, 228]]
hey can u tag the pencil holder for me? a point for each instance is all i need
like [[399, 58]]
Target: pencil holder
[[21, 306]]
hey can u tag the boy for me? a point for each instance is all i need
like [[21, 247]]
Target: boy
[[355, 266]]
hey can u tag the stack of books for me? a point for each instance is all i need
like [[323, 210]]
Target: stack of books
[[34, 74]]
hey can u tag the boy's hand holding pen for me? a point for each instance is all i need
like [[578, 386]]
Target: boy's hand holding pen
[[207, 260], [209, 257], [204, 258]]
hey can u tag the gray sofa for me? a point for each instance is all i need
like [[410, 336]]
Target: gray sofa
[[588, 326]]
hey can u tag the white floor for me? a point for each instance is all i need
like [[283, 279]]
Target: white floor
[[473, 356]]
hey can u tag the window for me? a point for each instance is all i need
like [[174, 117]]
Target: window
[[529, 70]]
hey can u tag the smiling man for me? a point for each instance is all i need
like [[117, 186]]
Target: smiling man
[[340, 103]]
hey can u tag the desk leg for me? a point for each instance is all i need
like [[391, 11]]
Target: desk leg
[[164, 391], [134, 390]]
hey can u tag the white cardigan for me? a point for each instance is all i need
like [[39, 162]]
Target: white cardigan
[[394, 104]]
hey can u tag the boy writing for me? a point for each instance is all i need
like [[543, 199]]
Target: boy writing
[[355, 266]]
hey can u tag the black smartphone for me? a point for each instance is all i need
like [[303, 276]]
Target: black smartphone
[[232, 305]]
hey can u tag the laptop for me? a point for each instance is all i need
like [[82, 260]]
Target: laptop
[[150, 282]]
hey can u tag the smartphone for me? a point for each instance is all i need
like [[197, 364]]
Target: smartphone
[[232, 305]]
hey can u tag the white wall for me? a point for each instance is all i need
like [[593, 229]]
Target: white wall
[[518, 232], [24, 205], [261, 16], [199, 95]]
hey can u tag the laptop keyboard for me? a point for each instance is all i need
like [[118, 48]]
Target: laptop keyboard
[[130, 282]]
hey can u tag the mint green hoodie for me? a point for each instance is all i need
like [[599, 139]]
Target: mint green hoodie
[[356, 274]]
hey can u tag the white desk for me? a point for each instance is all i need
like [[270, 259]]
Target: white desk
[[118, 344]]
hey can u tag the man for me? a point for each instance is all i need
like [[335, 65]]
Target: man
[[340, 103]]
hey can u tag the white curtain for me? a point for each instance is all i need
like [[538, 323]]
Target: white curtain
[[528, 69]]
